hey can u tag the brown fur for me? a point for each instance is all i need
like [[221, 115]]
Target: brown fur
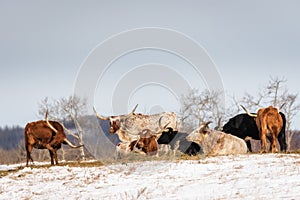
[[269, 123], [39, 135], [147, 143]]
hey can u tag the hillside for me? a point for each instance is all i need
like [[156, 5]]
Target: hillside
[[251, 176]]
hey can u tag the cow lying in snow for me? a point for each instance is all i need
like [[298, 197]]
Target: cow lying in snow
[[148, 143], [174, 140], [217, 143], [145, 144]]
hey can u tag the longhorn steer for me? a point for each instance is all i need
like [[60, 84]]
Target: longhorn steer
[[243, 126], [269, 123], [128, 127], [215, 142], [45, 135]]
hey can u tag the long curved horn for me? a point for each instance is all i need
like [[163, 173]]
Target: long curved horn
[[68, 131], [162, 128], [129, 131], [99, 116], [250, 114], [204, 126], [133, 110], [48, 123], [70, 144]]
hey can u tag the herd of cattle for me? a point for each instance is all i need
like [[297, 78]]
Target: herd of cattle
[[147, 134]]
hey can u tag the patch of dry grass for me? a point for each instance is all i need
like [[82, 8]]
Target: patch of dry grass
[[129, 158]]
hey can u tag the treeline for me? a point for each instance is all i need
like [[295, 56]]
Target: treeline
[[11, 137]]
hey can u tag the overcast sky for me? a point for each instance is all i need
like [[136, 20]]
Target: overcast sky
[[44, 45]]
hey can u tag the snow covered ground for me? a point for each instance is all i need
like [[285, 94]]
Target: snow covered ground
[[251, 176]]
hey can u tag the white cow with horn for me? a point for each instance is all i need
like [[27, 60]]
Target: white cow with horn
[[128, 127], [216, 142]]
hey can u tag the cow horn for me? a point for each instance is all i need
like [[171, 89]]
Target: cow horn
[[48, 123], [282, 106], [204, 126], [130, 132], [99, 116], [207, 123], [162, 128], [133, 110], [70, 144], [250, 114]]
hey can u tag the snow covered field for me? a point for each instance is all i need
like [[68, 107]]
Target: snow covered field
[[251, 176]]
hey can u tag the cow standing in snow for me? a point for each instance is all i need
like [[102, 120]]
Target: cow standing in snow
[[45, 134], [269, 123], [215, 142]]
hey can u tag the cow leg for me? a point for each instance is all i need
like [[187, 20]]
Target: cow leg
[[28, 154], [52, 152], [263, 138], [55, 156], [264, 143], [51, 156], [274, 140], [248, 142], [274, 145], [282, 142], [117, 154]]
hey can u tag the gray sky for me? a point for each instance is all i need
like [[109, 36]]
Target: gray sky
[[44, 44]]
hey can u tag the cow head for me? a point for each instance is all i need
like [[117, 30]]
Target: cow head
[[199, 134], [145, 138], [114, 121]]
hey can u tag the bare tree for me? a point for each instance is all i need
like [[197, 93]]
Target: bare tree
[[291, 108], [197, 107], [268, 95], [74, 107]]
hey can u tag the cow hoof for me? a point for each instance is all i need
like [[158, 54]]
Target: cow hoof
[[263, 151], [275, 150]]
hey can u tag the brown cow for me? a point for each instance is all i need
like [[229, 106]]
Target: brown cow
[[269, 123], [45, 135], [147, 142]]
